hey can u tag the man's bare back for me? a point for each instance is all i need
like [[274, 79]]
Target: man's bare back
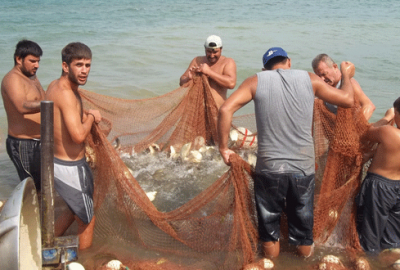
[[21, 97], [386, 160]]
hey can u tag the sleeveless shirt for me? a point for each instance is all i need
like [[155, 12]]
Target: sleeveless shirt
[[284, 104]]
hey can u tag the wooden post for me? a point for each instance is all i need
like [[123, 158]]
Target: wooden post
[[47, 172]]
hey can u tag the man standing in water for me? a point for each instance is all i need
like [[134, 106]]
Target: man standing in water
[[378, 203], [329, 71], [73, 178], [285, 165], [22, 94], [220, 70]]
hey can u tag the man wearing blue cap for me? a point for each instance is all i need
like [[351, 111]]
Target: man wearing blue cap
[[220, 70], [285, 167]]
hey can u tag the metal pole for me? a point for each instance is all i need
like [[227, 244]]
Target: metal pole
[[47, 172]]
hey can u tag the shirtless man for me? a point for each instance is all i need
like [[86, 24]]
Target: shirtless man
[[283, 100], [378, 202], [22, 93], [220, 70], [329, 71], [73, 178]]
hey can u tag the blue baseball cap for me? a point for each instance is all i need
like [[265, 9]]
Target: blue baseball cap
[[273, 52]]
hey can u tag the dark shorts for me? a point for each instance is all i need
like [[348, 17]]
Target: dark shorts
[[73, 180], [294, 192], [378, 213], [25, 154]]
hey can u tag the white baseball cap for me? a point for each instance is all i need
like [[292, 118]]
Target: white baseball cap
[[213, 42]]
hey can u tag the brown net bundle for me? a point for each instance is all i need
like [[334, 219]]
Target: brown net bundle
[[340, 143], [215, 228]]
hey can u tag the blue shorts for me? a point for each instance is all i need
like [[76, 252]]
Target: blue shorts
[[378, 213], [73, 180], [289, 192], [25, 154]]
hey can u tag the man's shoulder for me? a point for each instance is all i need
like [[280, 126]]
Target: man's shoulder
[[56, 91], [390, 137], [13, 80], [355, 82], [226, 60], [392, 132]]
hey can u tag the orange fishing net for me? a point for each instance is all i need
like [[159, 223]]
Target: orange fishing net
[[340, 142], [216, 228]]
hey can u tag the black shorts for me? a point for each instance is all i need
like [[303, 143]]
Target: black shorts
[[25, 154], [293, 192], [378, 213]]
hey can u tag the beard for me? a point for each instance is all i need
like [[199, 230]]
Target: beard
[[74, 78], [28, 73]]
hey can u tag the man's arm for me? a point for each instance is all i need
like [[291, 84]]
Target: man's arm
[[15, 90], [345, 96], [366, 104], [188, 74], [78, 129], [243, 95], [226, 79], [386, 120]]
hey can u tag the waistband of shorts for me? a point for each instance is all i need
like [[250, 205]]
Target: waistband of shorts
[[286, 173], [383, 179], [22, 139], [70, 162]]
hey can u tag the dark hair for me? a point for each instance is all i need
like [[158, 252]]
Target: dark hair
[[276, 60], [25, 48], [396, 105], [75, 50]]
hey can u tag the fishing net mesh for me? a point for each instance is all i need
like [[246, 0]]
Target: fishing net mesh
[[217, 228]]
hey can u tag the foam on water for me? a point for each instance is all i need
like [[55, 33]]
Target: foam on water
[[175, 181]]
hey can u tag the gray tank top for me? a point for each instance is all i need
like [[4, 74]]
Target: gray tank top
[[284, 104]]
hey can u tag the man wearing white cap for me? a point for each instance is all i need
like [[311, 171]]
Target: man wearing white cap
[[220, 70], [284, 173]]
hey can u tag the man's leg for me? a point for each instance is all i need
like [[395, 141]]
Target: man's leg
[[271, 249], [377, 196], [269, 192], [300, 213], [85, 232], [305, 251], [63, 222]]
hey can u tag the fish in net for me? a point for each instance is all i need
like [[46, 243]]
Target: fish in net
[[217, 228]]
